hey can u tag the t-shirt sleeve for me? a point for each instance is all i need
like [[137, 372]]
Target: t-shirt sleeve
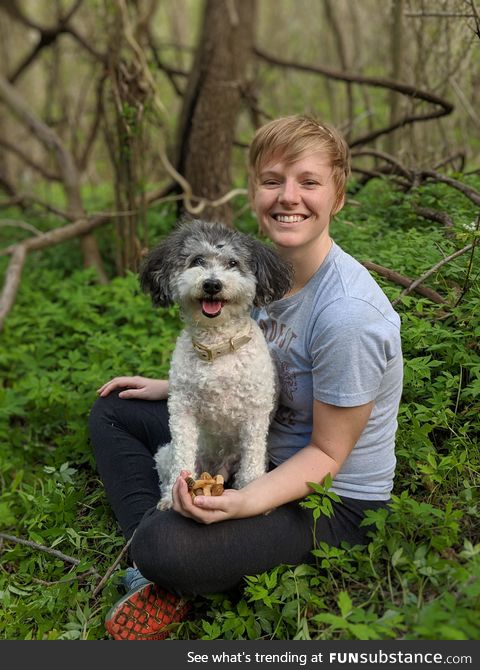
[[351, 345]]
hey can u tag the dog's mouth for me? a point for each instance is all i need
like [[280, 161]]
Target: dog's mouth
[[212, 308]]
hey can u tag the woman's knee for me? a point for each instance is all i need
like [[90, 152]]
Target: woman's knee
[[104, 410], [158, 558], [169, 550]]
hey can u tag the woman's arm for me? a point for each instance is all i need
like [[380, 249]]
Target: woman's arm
[[336, 430], [136, 387]]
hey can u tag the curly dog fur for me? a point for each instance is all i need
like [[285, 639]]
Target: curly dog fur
[[222, 387]]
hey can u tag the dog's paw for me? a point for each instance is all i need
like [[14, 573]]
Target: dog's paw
[[164, 504]]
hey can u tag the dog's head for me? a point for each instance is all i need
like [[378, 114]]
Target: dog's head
[[208, 267]]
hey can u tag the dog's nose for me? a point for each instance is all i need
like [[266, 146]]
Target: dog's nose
[[212, 286]]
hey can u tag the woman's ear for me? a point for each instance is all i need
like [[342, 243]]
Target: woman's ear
[[274, 275], [339, 203]]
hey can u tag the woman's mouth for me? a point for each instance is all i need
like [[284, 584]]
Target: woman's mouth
[[289, 218]]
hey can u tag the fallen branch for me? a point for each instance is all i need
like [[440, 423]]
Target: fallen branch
[[381, 172], [111, 569], [414, 286], [58, 235], [434, 215], [12, 281], [471, 193], [77, 229], [402, 280], [40, 547], [73, 578], [405, 172]]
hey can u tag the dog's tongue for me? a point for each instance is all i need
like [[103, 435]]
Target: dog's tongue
[[211, 307]]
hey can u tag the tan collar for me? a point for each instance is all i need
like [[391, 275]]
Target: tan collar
[[230, 346]]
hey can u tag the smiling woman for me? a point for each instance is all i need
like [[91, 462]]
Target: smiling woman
[[334, 342], [296, 187], [295, 203]]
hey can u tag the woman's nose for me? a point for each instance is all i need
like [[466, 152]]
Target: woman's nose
[[289, 193]]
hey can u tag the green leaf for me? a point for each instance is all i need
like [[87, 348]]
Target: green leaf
[[344, 603]]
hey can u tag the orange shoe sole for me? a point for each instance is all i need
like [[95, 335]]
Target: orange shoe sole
[[144, 614]]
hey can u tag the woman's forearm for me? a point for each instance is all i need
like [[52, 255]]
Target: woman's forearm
[[288, 481]]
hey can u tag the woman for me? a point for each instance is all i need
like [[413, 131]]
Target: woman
[[335, 341]]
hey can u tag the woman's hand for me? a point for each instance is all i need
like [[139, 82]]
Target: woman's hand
[[136, 387], [208, 509]]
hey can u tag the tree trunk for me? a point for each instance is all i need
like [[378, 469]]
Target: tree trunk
[[396, 32], [212, 101]]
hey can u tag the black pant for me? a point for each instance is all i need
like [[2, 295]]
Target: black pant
[[178, 553]]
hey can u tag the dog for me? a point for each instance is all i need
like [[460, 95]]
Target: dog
[[222, 380]]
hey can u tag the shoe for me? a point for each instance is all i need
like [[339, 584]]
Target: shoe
[[143, 614], [133, 580]]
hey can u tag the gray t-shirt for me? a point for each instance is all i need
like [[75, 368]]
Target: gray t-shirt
[[338, 341]]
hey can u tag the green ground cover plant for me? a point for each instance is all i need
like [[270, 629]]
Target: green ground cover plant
[[419, 577]]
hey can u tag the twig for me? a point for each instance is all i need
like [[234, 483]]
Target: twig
[[14, 148], [413, 92], [440, 14], [386, 157], [470, 264], [188, 195], [465, 102], [19, 224], [48, 137], [450, 159], [414, 285], [25, 201], [111, 569], [73, 578], [397, 278], [47, 550]]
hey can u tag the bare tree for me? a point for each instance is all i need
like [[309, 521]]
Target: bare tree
[[68, 172], [213, 99], [397, 44]]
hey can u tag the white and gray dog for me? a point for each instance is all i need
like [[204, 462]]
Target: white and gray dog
[[222, 380]]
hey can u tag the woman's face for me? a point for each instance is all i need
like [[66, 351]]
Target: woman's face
[[294, 202]]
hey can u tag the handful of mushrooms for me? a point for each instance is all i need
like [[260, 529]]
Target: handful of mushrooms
[[206, 485]]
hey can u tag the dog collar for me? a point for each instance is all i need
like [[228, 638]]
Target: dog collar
[[232, 345]]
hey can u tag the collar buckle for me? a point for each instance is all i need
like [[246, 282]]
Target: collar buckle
[[230, 346]]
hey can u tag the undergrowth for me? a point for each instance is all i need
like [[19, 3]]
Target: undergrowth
[[419, 576]]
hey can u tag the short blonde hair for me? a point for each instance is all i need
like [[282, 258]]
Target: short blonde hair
[[288, 137]]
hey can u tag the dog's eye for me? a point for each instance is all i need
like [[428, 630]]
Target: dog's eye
[[197, 261], [232, 263]]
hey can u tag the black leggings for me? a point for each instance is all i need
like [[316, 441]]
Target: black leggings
[[178, 553]]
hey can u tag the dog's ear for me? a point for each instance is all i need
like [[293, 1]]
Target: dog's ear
[[274, 275], [157, 270]]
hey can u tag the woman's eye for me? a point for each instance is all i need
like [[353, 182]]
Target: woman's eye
[[197, 261], [232, 263]]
